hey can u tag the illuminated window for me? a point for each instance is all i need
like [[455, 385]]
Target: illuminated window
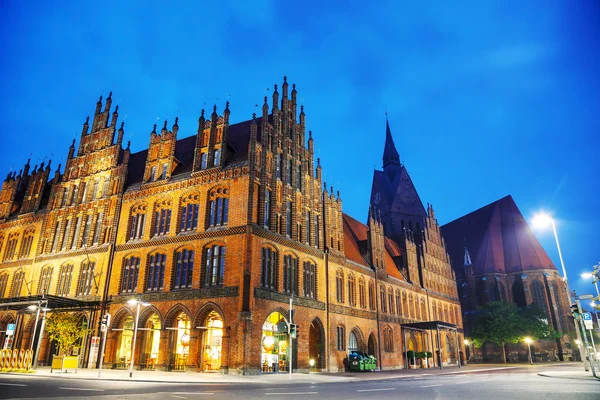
[[86, 278], [131, 269], [45, 278], [64, 280]]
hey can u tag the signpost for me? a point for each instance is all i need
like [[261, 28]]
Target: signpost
[[10, 329], [587, 320]]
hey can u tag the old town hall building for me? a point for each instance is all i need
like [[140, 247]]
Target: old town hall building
[[213, 234]]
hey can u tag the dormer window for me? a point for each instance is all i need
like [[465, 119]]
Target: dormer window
[[203, 160], [153, 174], [164, 171], [217, 157]]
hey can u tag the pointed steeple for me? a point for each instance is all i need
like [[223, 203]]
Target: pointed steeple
[[467, 262], [390, 154]]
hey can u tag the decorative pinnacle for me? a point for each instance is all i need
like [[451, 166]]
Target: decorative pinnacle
[[318, 162], [122, 125], [293, 86], [253, 115], [109, 95], [301, 109], [227, 105], [309, 135], [215, 108], [265, 100], [87, 120], [325, 186], [154, 129], [116, 109], [165, 125], [128, 144], [176, 121], [202, 113], [100, 100], [284, 79]]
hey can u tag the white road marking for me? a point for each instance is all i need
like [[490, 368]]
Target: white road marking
[[84, 389], [458, 383], [431, 385], [277, 394], [375, 390], [178, 397], [12, 384], [172, 393]]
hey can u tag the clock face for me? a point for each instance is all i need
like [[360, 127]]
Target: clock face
[[377, 198]]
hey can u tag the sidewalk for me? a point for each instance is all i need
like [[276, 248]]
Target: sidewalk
[[575, 372], [282, 378]]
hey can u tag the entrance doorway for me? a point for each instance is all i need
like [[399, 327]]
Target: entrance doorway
[[181, 342], [124, 342], [371, 346], [315, 344], [212, 342], [151, 342], [274, 344]]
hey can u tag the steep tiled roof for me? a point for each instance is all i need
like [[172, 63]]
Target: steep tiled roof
[[355, 245], [238, 138], [498, 239]]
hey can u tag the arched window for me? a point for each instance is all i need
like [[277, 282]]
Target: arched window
[[184, 269], [341, 338], [11, 246], [131, 269], [27, 241], [362, 293], [86, 278], [189, 213], [267, 210], [351, 290], [268, 277], [17, 285], [214, 268], [290, 274], [3, 284], [424, 316], [288, 218], [64, 280], [218, 207], [372, 298], [382, 298], [339, 286], [391, 300], [411, 305], [156, 272], [352, 342], [310, 280], [456, 317], [537, 292], [404, 305], [136, 222], [388, 339], [398, 303], [162, 217], [45, 278]]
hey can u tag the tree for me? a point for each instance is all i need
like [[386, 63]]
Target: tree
[[66, 329], [497, 322], [535, 324]]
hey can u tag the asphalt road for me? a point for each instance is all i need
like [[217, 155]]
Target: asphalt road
[[515, 384]]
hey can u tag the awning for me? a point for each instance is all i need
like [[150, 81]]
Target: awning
[[53, 303]]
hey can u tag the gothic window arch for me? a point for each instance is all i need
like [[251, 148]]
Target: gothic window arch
[[64, 280], [183, 270], [434, 311], [27, 242], [398, 303], [341, 338], [17, 284], [411, 305], [269, 262], [45, 279], [537, 293], [372, 298], [404, 305], [424, 316], [86, 278], [382, 301], [130, 274], [162, 217], [218, 207], [137, 218], [388, 339], [352, 290], [339, 286], [290, 274], [11, 246], [310, 280], [155, 272], [362, 293], [3, 284], [188, 219]]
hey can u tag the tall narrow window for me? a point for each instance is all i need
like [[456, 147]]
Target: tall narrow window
[[351, 290], [11, 247], [362, 293], [56, 235], [268, 278], [372, 299], [162, 219], [339, 286], [3, 284], [75, 242], [267, 210], [218, 207], [391, 300], [86, 278], [74, 195], [45, 278], [203, 160], [156, 272], [288, 219], [95, 189], [98, 228], [64, 197], [64, 280], [317, 232], [67, 234], [341, 338], [214, 269], [86, 230], [153, 174], [299, 176], [184, 269], [189, 217], [217, 157], [310, 280], [131, 269], [278, 166], [290, 270], [17, 284], [105, 191], [27, 242], [382, 299], [163, 174], [84, 185], [388, 339], [308, 228], [398, 304]]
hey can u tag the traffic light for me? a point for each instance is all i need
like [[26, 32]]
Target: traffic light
[[105, 322], [575, 310], [293, 331], [297, 331]]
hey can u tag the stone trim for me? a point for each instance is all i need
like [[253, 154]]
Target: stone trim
[[260, 293], [185, 294]]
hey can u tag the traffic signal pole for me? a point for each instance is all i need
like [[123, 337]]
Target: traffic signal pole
[[104, 327], [290, 336], [583, 330]]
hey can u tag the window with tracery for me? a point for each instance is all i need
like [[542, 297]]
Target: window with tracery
[[17, 285], [11, 246], [388, 339], [162, 217], [3, 284], [137, 218], [27, 242], [352, 290], [189, 213], [64, 280], [339, 286], [362, 293], [86, 278], [214, 269], [184, 269], [268, 277], [290, 271], [131, 269], [310, 280], [156, 272], [45, 279], [218, 207]]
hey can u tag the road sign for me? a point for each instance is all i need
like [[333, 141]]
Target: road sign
[[586, 297], [587, 316], [10, 329]]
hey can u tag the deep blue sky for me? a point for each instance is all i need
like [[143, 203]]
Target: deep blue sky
[[485, 98]]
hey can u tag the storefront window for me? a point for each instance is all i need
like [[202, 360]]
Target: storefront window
[[124, 348], [274, 344], [182, 342], [212, 342], [152, 343]]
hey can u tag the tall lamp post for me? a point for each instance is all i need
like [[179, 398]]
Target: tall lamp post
[[543, 220], [139, 303], [528, 341], [596, 275]]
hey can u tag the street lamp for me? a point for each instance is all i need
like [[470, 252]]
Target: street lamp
[[467, 342], [542, 220], [139, 303], [528, 341], [596, 275]]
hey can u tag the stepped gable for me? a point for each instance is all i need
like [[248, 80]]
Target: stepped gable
[[498, 237], [238, 138], [355, 246]]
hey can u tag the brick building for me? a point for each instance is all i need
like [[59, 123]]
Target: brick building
[[214, 233], [496, 257]]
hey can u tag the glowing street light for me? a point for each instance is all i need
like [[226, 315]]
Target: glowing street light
[[542, 220], [595, 275], [139, 303], [528, 341]]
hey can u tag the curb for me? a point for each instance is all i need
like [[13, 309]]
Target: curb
[[585, 378]]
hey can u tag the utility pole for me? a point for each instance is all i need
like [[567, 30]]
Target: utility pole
[[587, 350]]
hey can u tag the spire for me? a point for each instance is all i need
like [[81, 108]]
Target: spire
[[164, 128], [201, 122], [467, 261], [390, 154]]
